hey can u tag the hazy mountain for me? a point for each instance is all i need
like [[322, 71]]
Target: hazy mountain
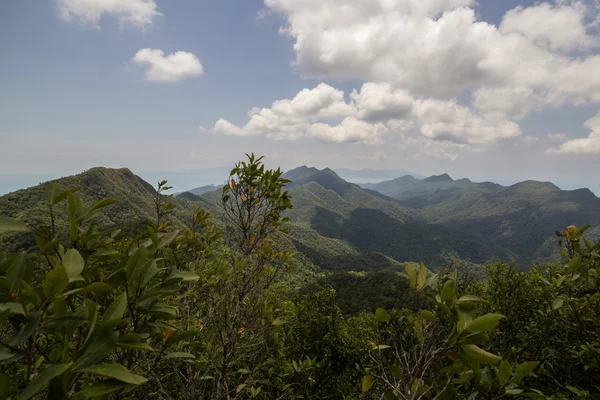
[[200, 190], [367, 175], [519, 217], [337, 225]]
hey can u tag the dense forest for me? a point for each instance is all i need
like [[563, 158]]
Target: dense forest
[[296, 286]]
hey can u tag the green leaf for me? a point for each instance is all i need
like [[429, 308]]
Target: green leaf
[[557, 303], [412, 275], [15, 308], [575, 264], [178, 354], [116, 309], [428, 315], [96, 287], [477, 354], [485, 323], [42, 380], [367, 383], [381, 347], [465, 319], [396, 371], [422, 276], [116, 371], [32, 322], [55, 281], [73, 263], [504, 372], [470, 298], [525, 369], [100, 389], [418, 330], [381, 315], [16, 271], [99, 348], [448, 293], [12, 225], [143, 346]]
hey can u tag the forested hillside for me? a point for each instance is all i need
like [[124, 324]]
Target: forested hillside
[[520, 217], [190, 305]]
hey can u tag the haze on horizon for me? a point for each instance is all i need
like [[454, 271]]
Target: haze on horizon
[[493, 91]]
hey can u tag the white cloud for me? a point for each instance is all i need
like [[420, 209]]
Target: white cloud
[[350, 130], [440, 49], [171, 68], [449, 121], [558, 27], [139, 13], [372, 112], [416, 58], [588, 145], [380, 102], [292, 119]]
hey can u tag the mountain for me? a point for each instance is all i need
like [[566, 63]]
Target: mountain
[[372, 175], [521, 217], [331, 216], [134, 208], [200, 190], [340, 226]]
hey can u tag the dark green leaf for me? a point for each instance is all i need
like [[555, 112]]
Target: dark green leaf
[[477, 354], [396, 371], [504, 372], [485, 323], [116, 309], [32, 320], [42, 380], [116, 371], [73, 263], [100, 389], [55, 281]]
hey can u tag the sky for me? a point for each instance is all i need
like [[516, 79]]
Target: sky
[[500, 91]]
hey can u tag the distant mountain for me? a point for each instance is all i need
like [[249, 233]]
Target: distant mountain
[[368, 175], [521, 217], [202, 189], [339, 226], [331, 215]]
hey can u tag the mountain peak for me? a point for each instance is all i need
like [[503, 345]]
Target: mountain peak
[[325, 177], [438, 178]]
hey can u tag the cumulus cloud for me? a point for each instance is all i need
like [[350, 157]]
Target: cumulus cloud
[[139, 13], [417, 58], [440, 49], [559, 27], [373, 111], [449, 121], [588, 145], [171, 68]]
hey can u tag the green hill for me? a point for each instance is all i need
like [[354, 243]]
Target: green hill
[[339, 226], [135, 205], [521, 217]]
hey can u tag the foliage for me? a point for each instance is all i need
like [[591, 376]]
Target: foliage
[[184, 306], [92, 320]]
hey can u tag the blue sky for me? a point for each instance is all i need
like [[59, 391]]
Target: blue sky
[[489, 98]]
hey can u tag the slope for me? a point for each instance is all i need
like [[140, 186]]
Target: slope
[[521, 217], [134, 208]]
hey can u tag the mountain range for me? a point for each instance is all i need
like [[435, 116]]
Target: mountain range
[[338, 226]]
